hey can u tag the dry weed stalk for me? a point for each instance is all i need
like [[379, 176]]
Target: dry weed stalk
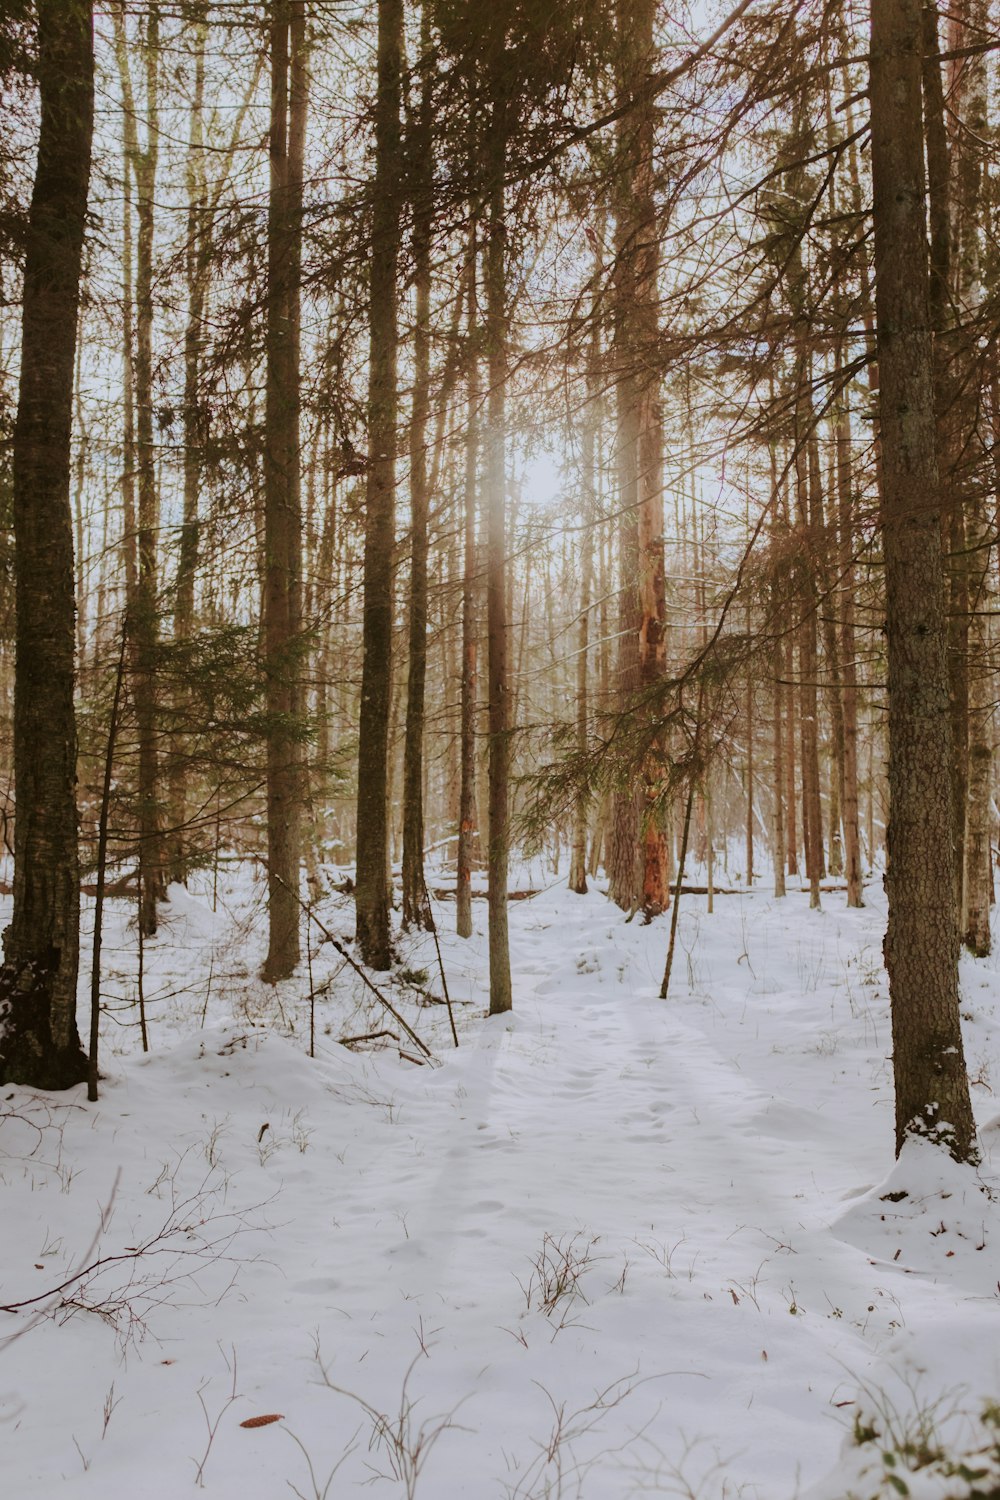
[[192, 1236], [405, 1443]]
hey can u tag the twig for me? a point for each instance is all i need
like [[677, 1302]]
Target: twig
[[102, 863], [437, 949], [368, 1036], [444, 986], [312, 997], [140, 978], [213, 1427], [156, 1244], [664, 987]]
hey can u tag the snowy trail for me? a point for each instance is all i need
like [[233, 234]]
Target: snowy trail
[[685, 1167]]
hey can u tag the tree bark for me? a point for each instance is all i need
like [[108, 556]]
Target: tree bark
[[812, 827], [372, 899], [848, 651], [948, 437], [589, 518], [498, 684], [969, 208], [578, 858], [778, 823], [282, 487], [39, 1041], [640, 463], [142, 162], [921, 944], [196, 271], [791, 698], [467, 820], [416, 906]]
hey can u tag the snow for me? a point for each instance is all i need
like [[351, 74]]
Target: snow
[[610, 1246]]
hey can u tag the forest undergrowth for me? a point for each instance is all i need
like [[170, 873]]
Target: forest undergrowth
[[609, 1246]]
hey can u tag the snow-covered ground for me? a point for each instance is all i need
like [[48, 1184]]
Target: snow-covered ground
[[610, 1246]]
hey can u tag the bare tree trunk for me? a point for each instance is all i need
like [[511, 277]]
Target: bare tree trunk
[[144, 633], [282, 480], [496, 552], [808, 656], [956, 560], [79, 519], [978, 883], [589, 517], [640, 457], [326, 591], [578, 859], [791, 697], [39, 1042], [372, 897], [145, 629], [467, 821], [921, 945], [969, 208], [416, 908], [187, 562], [623, 857], [848, 651], [826, 563], [130, 560], [778, 835], [750, 768], [777, 702]]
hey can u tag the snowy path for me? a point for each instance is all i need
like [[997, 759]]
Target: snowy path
[[685, 1159]]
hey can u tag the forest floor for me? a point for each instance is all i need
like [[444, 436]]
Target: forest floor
[[610, 1246]]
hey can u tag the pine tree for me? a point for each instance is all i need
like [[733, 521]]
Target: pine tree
[[921, 945], [372, 900], [39, 1043]]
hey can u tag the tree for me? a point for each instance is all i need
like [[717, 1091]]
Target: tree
[[197, 263], [372, 898], [972, 482], [467, 820], [416, 908], [921, 944], [39, 1044], [639, 873], [282, 600], [140, 458], [500, 111]]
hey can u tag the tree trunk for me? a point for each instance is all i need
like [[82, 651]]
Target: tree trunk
[[589, 517], [130, 561], [640, 463], [144, 604], [372, 898], [791, 696], [812, 828], [778, 835], [827, 560], [498, 685], [467, 820], [578, 859], [949, 438], [921, 944], [969, 209], [416, 907], [196, 269], [978, 865], [748, 827], [282, 497], [849, 666], [39, 1042]]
